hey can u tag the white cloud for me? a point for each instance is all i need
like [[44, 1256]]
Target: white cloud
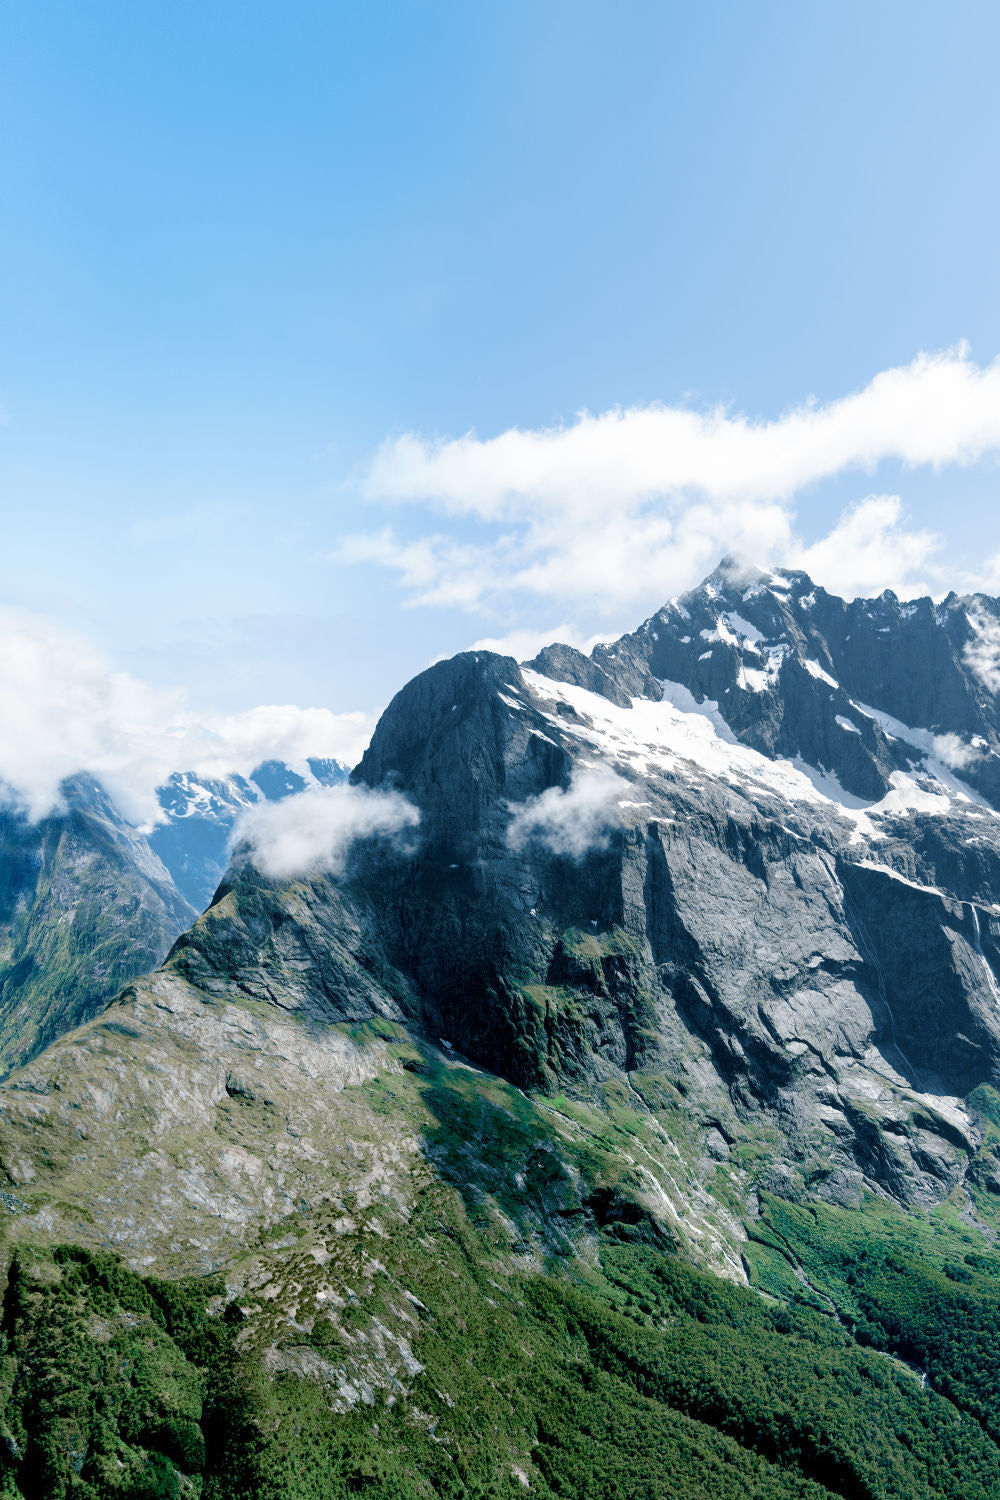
[[310, 833], [954, 751], [572, 821], [982, 652], [940, 409], [279, 732], [65, 710], [869, 550], [634, 504], [435, 569]]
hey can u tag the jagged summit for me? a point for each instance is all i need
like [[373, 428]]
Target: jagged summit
[[864, 691]]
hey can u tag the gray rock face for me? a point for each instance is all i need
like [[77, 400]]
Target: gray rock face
[[311, 950], [791, 922], [789, 905]]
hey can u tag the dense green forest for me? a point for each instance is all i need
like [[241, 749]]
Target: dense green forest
[[635, 1378]]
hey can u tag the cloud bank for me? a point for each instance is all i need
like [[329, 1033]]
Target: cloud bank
[[633, 504], [311, 832], [65, 710], [573, 821]]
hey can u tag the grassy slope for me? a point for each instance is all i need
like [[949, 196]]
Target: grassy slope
[[521, 1316]]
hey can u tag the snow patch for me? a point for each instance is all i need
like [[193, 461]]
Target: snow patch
[[753, 679], [941, 752], [815, 670], [929, 890], [907, 795], [743, 627], [760, 679]]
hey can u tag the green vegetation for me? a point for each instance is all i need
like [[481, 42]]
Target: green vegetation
[[497, 1304], [921, 1288], [104, 1378], [633, 1378]]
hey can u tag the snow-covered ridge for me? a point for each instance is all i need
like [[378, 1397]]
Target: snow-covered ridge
[[679, 737], [187, 795], [200, 813], [940, 753], [682, 738]]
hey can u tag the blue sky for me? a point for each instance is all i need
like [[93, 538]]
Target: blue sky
[[246, 246]]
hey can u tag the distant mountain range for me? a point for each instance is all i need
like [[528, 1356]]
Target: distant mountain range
[[200, 812]]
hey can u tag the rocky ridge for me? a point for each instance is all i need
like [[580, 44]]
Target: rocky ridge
[[785, 956], [89, 902]]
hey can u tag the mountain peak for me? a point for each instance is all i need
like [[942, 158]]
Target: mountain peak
[[734, 572], [736, 578], [861, 691]]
